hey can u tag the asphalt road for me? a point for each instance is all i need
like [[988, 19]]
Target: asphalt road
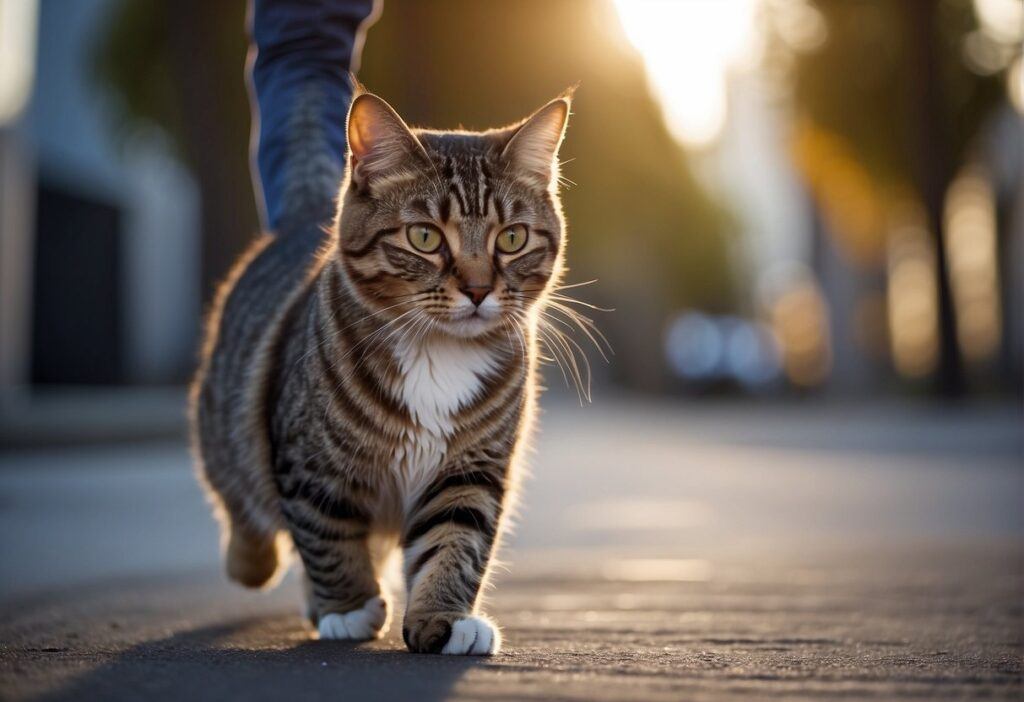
[[662, 552]]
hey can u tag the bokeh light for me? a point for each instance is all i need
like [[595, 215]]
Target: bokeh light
[[913, 307], [694, 346], [970, 241], [800, 322], [701, 348], [1003, 20]]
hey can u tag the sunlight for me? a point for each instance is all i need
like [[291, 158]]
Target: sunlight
[[688, 49]]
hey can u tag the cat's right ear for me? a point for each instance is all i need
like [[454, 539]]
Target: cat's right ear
[[379, 142]]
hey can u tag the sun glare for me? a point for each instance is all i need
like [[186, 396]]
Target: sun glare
[[688, 47]]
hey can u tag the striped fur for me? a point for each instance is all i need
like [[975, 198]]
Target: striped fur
[[353, 397]]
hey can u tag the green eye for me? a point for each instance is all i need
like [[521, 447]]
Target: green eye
[[424, 237], [512, 239]]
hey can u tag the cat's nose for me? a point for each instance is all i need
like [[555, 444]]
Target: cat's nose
[[476, 293]]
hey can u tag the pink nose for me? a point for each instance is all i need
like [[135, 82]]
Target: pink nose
[[476, 293]]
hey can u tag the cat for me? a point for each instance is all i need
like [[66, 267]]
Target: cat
[[371, 388]]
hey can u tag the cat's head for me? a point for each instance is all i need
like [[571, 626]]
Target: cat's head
[[462, 231]]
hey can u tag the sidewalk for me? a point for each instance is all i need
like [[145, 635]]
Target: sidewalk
[[948, 627], [81, 415], [662, 552]]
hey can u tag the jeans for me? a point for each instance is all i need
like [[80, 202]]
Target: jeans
[[299, 62]]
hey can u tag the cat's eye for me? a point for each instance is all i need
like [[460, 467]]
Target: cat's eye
[[424, 237], [512, 239]]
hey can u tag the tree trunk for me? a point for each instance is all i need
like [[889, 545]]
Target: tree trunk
[[211, 80], [933, 173]]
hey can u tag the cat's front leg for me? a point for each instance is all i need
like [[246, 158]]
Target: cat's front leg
[[344, 599], [448, 547]]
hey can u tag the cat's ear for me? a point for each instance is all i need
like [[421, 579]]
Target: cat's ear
[[533, 147], [379, 142]]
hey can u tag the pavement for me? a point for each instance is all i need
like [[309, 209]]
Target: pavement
[[662, 551]]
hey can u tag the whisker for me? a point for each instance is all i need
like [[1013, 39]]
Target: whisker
[[573, 300], [555, 357], [428, 327], [575, 285], [573, 367], [375, 334], [330, 338], [565, 342], [510, 321], [508, 333], [587, 326]]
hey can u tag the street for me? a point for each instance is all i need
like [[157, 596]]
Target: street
[[662, 551]]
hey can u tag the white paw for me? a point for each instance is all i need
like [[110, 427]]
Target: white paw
[[473, 636], [361, 624]]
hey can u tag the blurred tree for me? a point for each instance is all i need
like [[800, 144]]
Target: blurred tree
[[892, 83], [179, 65], [639, 222]]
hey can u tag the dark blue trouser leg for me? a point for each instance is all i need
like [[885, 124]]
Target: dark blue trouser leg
[[302, 52]]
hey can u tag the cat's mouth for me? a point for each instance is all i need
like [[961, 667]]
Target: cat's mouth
[[471, 322]]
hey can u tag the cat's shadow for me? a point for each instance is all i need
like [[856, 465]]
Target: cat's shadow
[[217, 662]]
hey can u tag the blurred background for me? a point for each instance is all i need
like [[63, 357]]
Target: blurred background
[[779, 198], [808, 216]]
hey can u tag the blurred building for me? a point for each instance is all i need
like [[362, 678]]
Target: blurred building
[[100, 236]]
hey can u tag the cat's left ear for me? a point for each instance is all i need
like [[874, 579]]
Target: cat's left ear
[[533, 147]]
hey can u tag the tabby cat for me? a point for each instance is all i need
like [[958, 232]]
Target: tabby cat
[[371, 389]]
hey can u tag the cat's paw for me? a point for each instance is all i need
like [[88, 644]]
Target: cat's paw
[[473, 636], [451, 633], [363, 624]]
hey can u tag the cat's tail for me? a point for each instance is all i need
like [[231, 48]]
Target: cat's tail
[[301, 87], [313, 169]]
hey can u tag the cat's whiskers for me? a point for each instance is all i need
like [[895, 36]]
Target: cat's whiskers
[[412, 337], [584, 324], [562, 348], [405, 328], [557, 302], [366, 339], [428, 328], [559, 287], [571, 348], [518, 321], [512, 322], [555, 353], [376, 340], [572, 300], [382, 329], [331, 338], [506, 325], [568, 342]]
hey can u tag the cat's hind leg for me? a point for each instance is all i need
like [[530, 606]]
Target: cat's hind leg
[[250, 537], [252, 559]]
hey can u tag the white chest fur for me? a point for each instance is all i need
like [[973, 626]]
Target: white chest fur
[[439, 377]]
